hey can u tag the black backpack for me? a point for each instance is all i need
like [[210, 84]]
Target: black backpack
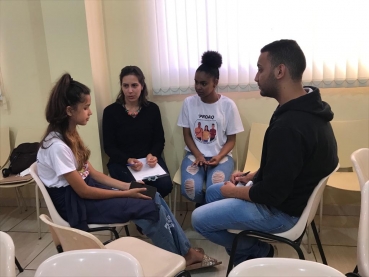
[[23, 156]]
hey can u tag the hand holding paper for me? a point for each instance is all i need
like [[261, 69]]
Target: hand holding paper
[[147, 171], [151, 160], [135, 164]]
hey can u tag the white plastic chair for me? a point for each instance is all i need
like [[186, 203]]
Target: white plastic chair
[[153, 260], [360, 161], [292, 237], [276, 267], [7, 256], [58, 219], [363, 236], [92, 263]]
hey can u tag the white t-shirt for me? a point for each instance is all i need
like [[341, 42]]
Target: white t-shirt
[[55, 160], [210, 123]]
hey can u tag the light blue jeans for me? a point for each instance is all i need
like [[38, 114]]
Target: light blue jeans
[[166, 233], [213, 219], [193, 177]]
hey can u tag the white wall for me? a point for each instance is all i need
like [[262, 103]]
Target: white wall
[[39, 40]]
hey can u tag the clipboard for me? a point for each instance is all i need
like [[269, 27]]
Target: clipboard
[[148, 173]]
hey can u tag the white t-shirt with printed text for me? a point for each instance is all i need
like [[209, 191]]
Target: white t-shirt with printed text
[[55, 160], [210, 123]]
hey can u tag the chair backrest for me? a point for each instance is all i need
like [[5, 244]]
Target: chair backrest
[[350, 135], [7, 256], [92, 263], [283, 267], [255, 146], [4, 145], [363, 238], [70, 238], [360, 161], [49, 203], [309, 212]]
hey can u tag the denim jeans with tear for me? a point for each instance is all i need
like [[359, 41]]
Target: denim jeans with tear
[[219, 214], [166, 233], [193, 177]]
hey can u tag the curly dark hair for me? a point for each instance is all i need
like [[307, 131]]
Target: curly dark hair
[[211, 61]]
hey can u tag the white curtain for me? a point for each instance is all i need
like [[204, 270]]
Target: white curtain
[[332, 34]]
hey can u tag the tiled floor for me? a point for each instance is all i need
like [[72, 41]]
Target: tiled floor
[[338, 235]]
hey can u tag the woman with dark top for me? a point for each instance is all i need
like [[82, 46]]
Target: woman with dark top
[[132, 130]]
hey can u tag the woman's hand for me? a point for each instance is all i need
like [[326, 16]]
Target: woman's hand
[[151, 160], [200, 161], [136, 165], [214, 161], [136, 193]]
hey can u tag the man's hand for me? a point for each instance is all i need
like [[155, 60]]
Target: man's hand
[[228, 189], [237, 177]]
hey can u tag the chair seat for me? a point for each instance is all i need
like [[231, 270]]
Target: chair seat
[[283, 267], [344, 180], [154, 261]]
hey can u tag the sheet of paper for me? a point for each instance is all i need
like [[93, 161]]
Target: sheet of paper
[[147, 171]]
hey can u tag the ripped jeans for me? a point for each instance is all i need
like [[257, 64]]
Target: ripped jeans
[[193, 177]]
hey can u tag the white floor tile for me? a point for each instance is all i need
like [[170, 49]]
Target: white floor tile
[[29, 224], [342, 258], [27, 273], [11, 216], [28, 246]]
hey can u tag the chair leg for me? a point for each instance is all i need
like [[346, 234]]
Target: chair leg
[[308, 235], [356, 270], [320, 214], [114, 231], [170, 201], [38, 211], [22, 199], [317, 239], [233, 253], [127, 231], [18, 265], [18, 201], [175, 200]]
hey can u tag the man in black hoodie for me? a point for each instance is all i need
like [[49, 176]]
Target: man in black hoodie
[[299, 149]]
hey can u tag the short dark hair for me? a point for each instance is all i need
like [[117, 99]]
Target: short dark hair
[[289, 53], [133, 70]]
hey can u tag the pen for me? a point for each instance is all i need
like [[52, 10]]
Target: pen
[[130, 164], [244, 174]]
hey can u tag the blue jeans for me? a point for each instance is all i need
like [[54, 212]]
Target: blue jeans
[[165, 233], [213, 219], [193, 177]]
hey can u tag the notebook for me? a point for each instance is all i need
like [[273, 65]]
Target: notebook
[[147, 172]]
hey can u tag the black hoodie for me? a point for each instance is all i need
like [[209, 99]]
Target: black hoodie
[[299, 149]]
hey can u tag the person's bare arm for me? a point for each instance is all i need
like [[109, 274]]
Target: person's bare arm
[[200, 159], [106, 180], [227, 147], [229, 190]]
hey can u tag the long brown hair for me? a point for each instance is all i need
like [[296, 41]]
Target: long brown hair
[[133, 70], [66, 92]]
